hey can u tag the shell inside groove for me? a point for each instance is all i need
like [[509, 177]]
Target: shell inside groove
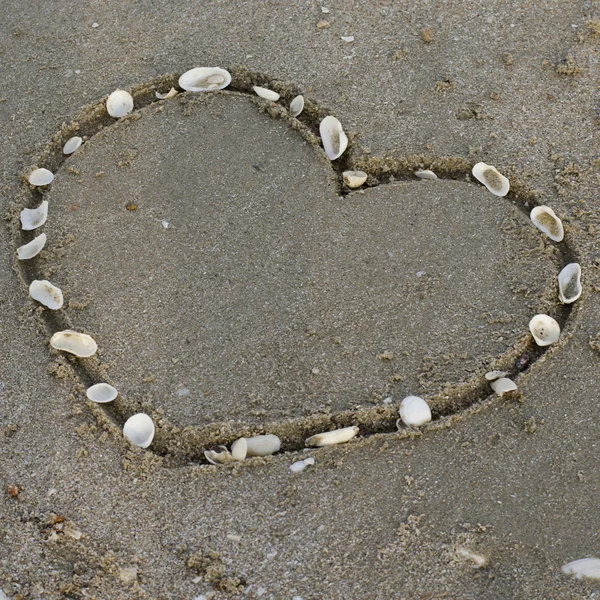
[[263, 445], [425, 174], [139, 430], [503, 385], [329, 438], [205, 79], [79, 344], [545, 330], [569, 283], [170, 94], [72, 144], [491, 375], [32, 218], [266, 93], [239, 449], [40, 177], [545, 219], [414, 411], [584, 567], [300, 465], [297, 105], [334, 139], [46, 293], [491, 178], [33, 248], [354, 179], [119, 104], [101, 393]]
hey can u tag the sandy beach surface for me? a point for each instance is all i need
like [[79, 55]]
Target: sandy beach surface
[[236, 287]]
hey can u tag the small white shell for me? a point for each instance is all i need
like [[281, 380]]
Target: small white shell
[[354, 179], [425, 174], [569, 283], [329, 438], [139, 430], [300, 465], [414, 411], [584, 567], [545, 330], [297, 106], [491, 375], [33, 248], [205, 79], [40, 177], [239, 449], [101, 393], [503, 385], [72, 144], [170, 94], [263, 445], [266, 93], [119, 104], [79, 344], [46, 293], [544, 218], [219, 458], [491, 178], [348, 38], [334, 139], [32, 218]]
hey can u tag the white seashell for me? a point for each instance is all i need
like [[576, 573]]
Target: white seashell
[[72, 144], [545, 330], [79, 344], [297, 106], [239, 449], [266, 93], [40, 177], [119, 104], [170, 94], [544, 218], [33, 248], [205, 79], [101, 393], [584, 567], [329, 438], [479, 560], [569, 283], [32, 218], [219, 458], [354, 179], [263, 445], [414, 411], [334, 139], [46, 293], [491, 178], [348, 38], [491, 375], [425, 174], [503, 385], [300, 465], [139, 430]]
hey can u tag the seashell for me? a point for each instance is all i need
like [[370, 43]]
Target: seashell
[[170, 94], [239, 449], [425, 174], [205, 79], [479, 559], [544, 218], [503, 385], [569, 283], [491, 375], [300, 465], [297, 105], [354, 179], [266, 93], [46, 293], [33, 248], [334, 139], [584, 567], [348, 38], [139, 430], [545, 330], [414, 411], [40, 177], [119, 104], [32, 218], [263, 445], [72, 144], [101, 393], [329, 438], [491, 178], [219, 458], [79, 344]]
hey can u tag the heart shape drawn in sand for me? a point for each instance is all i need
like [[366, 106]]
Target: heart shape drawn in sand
[[236, 286]]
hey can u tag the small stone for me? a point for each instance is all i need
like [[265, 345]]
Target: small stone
[[128, 575], [323, 24]]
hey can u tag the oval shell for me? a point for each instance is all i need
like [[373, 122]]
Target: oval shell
[[297, 105], [545, 330], [334, 139], [71, 145], [33, 248], [491, 375], [544, 218], [503, 385], [414, 411], [491, 178], [139, 430], [354, 179], [119, 104], [205, 79], [569, 283], [266, 93], [300, 465], [584, 567], [329, 438], [425, 174], [101, 393], [79, 344], [46, 293], [263, 445], [32, 218], [239, 449], [40, 177]]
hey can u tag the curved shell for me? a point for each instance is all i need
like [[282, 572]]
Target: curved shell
[[544, 218], [334, 139], [139, 430], [239, 449], [205, 79], [491, 178], [329, 438], [46, 293], [569, 283], [101, 393], [503, 385], [40, 177], [354, 179], [425, 174], [33, 248], [32, 218], [545, 330], [297, 105], [414, 411], [266, 93], [119, 104], [72, 144], [300, 465], [584, 567], [219, 458], [170, 94], [263, 445], [491, 375], [79, 344]]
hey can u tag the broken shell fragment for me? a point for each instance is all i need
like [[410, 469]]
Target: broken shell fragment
[[414, 411], [491, 178], [40, 177], [101, 393], [139, 430], [170, 94], [205, 79], [503, 385], [32, 218], [354, 179], [297, 105], [584, 567], [545, 330], [425, 174], [72, 144], [46, 293], [33, 248], [79, 344], [219, 458], [300, 465], [239, 449], [334, 139], [329, 438], [119, 104], [491, 375], [545, 219], [266, 93], [263, 445], [569, 283]]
